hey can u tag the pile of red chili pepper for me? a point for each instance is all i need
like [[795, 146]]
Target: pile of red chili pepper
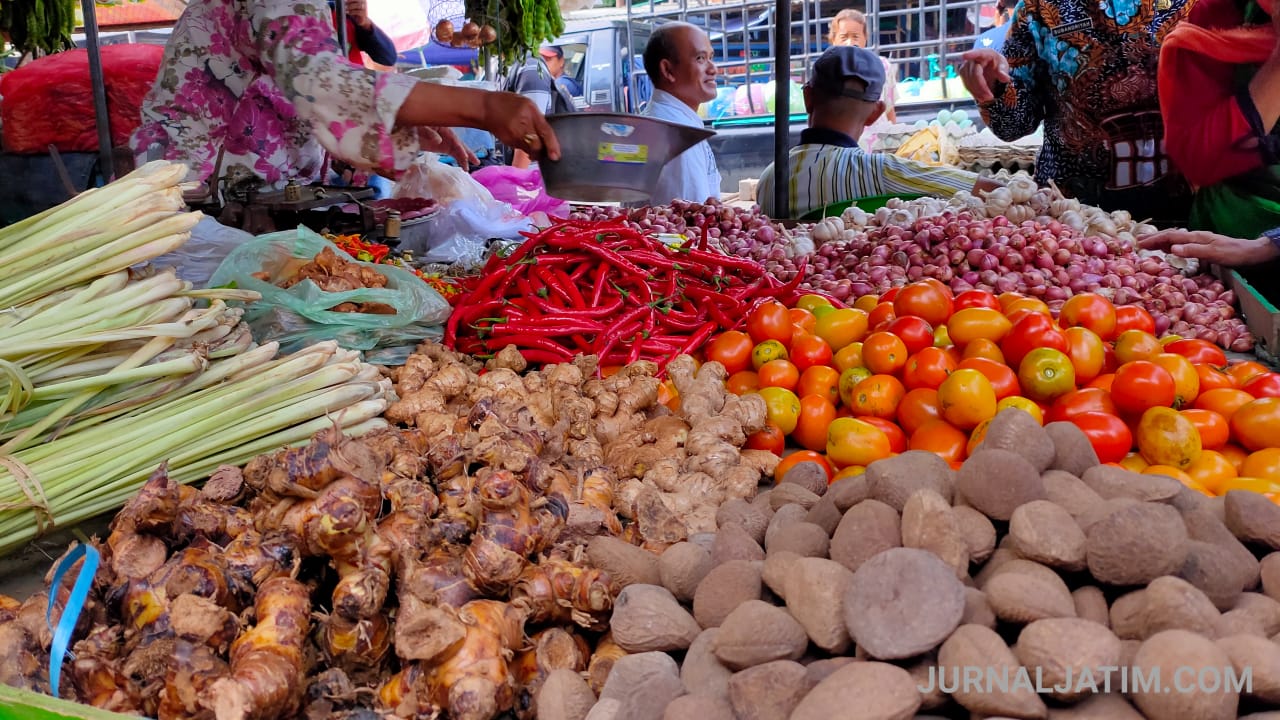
[[606, 289], [373, 252]]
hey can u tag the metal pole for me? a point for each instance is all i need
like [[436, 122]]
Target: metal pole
[[99, 84], [782, 109], [341, 7]]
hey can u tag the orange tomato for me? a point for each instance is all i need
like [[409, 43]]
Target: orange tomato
[[878, 396], [816, 413], [1087, 352], [1179, 475], [809, 350], [1262, 486], [778, 373], [918, 407], [881, 314], [1026, 405], [884, 353], [897, 438], [799, 456], [977, 323], [977, 435], [1264, 463], [1257, 424], [767, 351], [820, 380], [1186, 382], [941, 438], [802, 320], [1165, 437], [1136, 345], [923, 300], [743, 382], [1211, 378], [853, 442], [1212, 470], [1028, 305], [770, 321], [1009, 298], [1090, 311], [842, 327], [848, 472], [1235, 454], [1243, 372], [732, 349], [984, 349], [928, 368], [1212, 427], [1002, 377], [1224, 401], [1135, 462], [1104, 381], [867, 303], [849, 356], [967, 398], [771, 438], [1045, 374]]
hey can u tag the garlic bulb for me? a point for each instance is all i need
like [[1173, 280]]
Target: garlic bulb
[[998, 200], [1040, 202], [1103, 226], [1121, 217], [895, 203], [827, 230], [1021, 188], [1126, 236], [855, 216], [1064, 205], [882, 215], [1073, 220], [1144, 229], [900, 217], [1019, 214]]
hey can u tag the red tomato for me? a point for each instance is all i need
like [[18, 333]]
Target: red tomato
[[925, 301], [880, 314], [770, 321], [928, 368], [1087, 353], [1090, 311], [975, 298], [771, 438], [1078, 402], [1198, 351], [1108, 435], [915, 332], [1133, 317], [897, 438], [890, 295], [1142, 384], [732, 349], [1211, 378], [1033, 330], [1264, 385], [809, 350], [1002, 377]]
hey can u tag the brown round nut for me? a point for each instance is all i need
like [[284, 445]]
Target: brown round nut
[[1172, 603], [756, 633], [702, 672], [1269, 569], [1063, 651], [786, 515], [1091, 604], [725, 588], [1110, 706], [928, 524], [977, 611], [1253, 518], [1073, 453], [643, 683], [1260, 658], [1217, 571], [879, 691], [1046, 533], [1128, 615], [648, 618], [681, 567], [775, 571], [1169, 654], [902, 602], [787, 493], [825, 515], [866, 529], [1070, 493], [1262, 609], [626, 564], [740, 512], [816, 588], [1137, 544], [733, 542], [894, 479], [974, 646], [1112, 482], [802, 538], [1023, 597], [694, 707], [768, 692], [849, 492], [564, 695], [809, 475], [1014, 429], [997, 482], [978, 532]]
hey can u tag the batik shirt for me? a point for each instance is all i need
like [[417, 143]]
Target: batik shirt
[[1087, 69], [264, 80]]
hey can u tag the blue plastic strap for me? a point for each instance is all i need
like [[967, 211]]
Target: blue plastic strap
[[71, 611]]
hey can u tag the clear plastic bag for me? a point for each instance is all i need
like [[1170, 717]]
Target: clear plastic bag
[[301, 315], [427, 177], [522, 189], [211, 242]]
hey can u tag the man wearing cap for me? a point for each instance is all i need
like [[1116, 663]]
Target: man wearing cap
[[827, 167], [679, 63], [535, 81], [553, 56]]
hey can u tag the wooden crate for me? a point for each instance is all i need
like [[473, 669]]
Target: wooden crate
[[1260, 315], [25, 705]]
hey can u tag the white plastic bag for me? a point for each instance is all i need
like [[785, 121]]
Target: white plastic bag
[[427, 177], [211, 242], [461, 232]]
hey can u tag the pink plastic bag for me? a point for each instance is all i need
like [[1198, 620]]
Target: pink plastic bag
[[521, 189]]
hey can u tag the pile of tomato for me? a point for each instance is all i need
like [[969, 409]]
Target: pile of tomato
[[920, 368]]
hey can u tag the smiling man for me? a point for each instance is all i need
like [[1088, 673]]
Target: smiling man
[[679, 62]]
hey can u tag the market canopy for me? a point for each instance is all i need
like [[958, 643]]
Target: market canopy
[[134, 14]]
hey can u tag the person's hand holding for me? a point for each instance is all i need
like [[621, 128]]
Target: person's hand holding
[[1212, 247], [445, 141], [981, 70], [518, 123], [358, 12]]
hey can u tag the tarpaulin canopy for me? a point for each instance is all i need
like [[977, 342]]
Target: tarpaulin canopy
[[135, 14]]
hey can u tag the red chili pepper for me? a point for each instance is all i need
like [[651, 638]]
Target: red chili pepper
[[698, 338], [600, 281], [532, 326], [542, 357], [599, 312], [531, 341], [553, 286], [570, 288]]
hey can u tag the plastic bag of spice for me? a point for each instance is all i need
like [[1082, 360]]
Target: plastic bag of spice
[[408, 309]]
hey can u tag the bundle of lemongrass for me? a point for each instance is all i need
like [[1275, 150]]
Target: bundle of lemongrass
[[107, 371]]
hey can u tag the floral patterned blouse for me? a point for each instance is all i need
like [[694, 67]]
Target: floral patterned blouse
[[264, 83]]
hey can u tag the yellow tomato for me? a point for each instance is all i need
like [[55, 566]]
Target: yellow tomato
[[1017, 401], [1168, 339], [767, 351], [841, 327], [1186, 381], [1170, 471], [1212, 470], [849, 356], [823, 310], [866, 303], [848, 472], [782, 408], [977, 436], [966, 398], [1087, 352], [1135, 462], [1166, 437], [809, 302], [849, 380], [854, 442], [1264, 463], [1253, 484], [977, 323]]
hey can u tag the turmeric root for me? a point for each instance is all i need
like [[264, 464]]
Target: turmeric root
[[405, 694], [601, 664], [511, 531], [267, 670], [192, 673], [474, 681], [355, 645], [558, 590]]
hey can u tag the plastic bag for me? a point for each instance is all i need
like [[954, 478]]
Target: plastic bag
[[211, 242], [300, 315], [522, 189], [427, 177], [461, 232]]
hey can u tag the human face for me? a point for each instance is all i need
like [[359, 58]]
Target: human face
[[692, 77], [554, 62], [849, 33]]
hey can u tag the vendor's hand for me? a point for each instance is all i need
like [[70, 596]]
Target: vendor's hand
[[445, 141], [981, 71], [1211, 247], [358, 12], [516, 121]]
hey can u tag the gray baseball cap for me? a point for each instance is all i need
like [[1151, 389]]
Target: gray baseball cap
[[845, 62]]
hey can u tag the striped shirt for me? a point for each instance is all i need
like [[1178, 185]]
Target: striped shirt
[[828, 167]]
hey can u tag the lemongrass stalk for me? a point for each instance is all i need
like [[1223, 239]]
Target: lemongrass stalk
[[86, 235], [143, 293], [224, 294], [78, 295], [191, 363], [84, 365], [238, 342]]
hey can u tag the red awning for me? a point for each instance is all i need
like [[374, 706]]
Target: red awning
[[129, 14]]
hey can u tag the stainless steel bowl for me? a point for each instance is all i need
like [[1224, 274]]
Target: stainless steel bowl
[[613, 157]]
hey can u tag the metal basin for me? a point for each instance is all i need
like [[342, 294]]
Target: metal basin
[[613, 157]]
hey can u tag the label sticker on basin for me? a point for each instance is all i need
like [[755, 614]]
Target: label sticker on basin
[[621, 153], [617, 129]]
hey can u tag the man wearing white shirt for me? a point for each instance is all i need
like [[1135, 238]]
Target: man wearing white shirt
[[679, 62]]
